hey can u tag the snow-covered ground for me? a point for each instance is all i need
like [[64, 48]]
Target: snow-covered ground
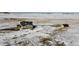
[[41, 36]]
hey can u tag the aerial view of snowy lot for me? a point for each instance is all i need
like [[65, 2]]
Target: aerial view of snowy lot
[[39, 29]]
